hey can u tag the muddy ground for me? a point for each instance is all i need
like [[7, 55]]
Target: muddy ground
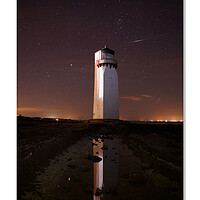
[[141, 160]]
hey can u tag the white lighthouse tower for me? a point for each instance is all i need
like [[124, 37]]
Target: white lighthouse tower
[[106, 99]]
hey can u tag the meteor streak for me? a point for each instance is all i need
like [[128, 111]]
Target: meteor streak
[[144, 39]]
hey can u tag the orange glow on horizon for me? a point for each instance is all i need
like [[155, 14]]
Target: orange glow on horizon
[[54, 112]]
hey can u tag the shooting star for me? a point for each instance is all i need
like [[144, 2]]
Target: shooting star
[[136, 41], [145, 39]]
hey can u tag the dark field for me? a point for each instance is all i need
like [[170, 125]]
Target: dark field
[[68, 159]]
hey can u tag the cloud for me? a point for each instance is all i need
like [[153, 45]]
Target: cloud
[[146, 95], [142, 97], [28, 109], [39, 109], [132, 98]]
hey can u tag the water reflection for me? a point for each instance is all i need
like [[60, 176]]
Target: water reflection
[[105, 149]]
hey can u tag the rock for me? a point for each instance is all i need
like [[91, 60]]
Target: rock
[[96, 159], [98, 192]]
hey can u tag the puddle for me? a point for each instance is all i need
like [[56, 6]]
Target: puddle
[[93, 168]]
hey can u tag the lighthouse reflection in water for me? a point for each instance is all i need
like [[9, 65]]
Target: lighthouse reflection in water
[[106, 170]]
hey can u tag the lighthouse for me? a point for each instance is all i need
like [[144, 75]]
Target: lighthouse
[[106, 99]]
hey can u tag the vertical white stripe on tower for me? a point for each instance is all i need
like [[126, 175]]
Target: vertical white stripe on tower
[[101, 82]]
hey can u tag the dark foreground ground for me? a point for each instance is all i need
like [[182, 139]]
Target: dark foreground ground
[[55, 160]]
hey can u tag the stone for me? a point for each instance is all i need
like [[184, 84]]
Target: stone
[[96, 159], [98, 192]]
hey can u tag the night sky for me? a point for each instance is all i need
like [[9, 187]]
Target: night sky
[[57, 40]]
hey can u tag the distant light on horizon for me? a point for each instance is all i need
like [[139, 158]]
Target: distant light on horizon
[[34, 112], [161, 120]]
